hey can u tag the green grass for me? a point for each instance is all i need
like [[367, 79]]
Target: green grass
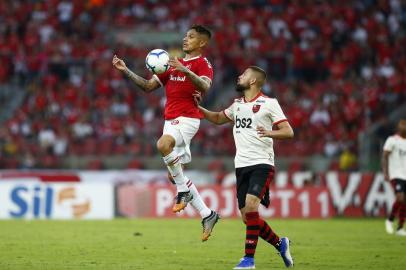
[[175, 244]]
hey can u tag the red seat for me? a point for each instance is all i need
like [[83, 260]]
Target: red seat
[[94, 164], [135, 164]]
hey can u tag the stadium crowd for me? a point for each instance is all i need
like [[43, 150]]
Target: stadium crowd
[[336, 67]]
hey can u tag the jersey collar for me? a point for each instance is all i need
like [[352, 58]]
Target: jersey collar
[[255, 98], [193, 58]]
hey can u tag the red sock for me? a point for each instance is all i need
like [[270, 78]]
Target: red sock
[[402, 215], [268, 234], [395, 208], [252, 232]]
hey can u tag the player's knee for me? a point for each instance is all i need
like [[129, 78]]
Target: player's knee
[[243, 218], [250, 208], [251, 204], [164, 146]]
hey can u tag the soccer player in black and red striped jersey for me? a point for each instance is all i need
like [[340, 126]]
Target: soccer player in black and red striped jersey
[[258, 120]]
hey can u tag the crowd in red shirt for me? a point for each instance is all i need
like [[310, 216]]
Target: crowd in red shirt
[[336, 67]]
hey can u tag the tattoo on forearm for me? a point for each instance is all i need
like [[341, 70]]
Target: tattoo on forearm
[[139, 81], [199, 82]]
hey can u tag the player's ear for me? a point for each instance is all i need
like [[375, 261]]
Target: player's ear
[[253, 81], [203, 43]]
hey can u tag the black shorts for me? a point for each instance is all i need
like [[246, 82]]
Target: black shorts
[[254, 180], [399, 185]]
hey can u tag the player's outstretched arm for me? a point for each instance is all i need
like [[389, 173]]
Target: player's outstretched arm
[[202, 84], [284, 131], [217, 118], [145, 85]]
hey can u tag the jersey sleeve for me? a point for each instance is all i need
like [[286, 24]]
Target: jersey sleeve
[[389, 144], [205, 69], [162, 78], [276, 113], [229, 112]]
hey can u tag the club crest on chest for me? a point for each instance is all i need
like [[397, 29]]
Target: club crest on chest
[[256, 108]]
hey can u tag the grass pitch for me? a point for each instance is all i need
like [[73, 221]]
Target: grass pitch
[[175, 244]]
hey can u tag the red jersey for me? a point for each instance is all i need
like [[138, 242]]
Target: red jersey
[[179, 88]]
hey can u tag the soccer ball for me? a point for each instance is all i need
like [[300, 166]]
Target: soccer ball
[[157, 61]]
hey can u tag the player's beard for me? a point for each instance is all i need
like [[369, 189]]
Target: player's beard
[[240, 88]]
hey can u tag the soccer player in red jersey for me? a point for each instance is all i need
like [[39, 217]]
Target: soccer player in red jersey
[[182, 116], [257, 120]]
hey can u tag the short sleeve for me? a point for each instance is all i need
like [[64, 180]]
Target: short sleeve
[[229, 112], [205, 69], [277, 115], [163, 77], [389, 144]]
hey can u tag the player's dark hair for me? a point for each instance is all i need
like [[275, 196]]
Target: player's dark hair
[[260, 71], [201, 30]]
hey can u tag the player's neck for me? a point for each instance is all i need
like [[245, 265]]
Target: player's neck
[[193, 54], [251, 94]]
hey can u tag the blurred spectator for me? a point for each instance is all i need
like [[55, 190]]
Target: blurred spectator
[[348, 160], [47, 139]]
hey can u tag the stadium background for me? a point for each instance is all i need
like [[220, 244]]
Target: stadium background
[[78, 139]]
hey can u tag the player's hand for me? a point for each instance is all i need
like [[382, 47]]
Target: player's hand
[[177, 65], [262, 132], [118, 63], [197, 96]]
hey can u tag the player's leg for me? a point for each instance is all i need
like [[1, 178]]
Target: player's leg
[[166, 145], [209, 217], [402, 209], [252, 224], [396, 207], [397, 204], [188, 128], [260, 180], [247, 262]]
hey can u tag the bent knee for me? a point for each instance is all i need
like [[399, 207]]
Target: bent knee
[[165, 145]]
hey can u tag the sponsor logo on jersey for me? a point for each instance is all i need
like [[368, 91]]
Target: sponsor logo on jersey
[[243, 122], [174, 122], [177, 78], [256, 108], [189, 66]]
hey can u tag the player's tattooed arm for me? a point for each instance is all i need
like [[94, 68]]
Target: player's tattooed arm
[[284, 131], [145, 85], [202, 83], [217, 118]]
